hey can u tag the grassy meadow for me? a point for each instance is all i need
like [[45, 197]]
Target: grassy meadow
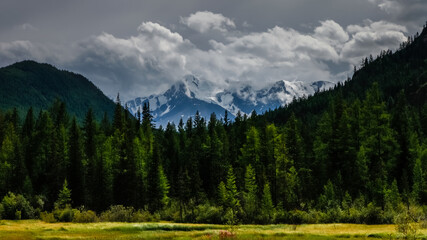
[[35, 229]]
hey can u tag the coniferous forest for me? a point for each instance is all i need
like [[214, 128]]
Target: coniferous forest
[[356, 153]]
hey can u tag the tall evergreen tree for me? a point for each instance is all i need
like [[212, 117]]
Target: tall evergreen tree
[[250, 195], [76, 172]]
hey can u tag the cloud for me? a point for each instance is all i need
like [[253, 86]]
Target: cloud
[[371, 38], [11, 52], [28, 27], [331, 32], [204, 21], [155, 57], [136, 66], [409, 11]]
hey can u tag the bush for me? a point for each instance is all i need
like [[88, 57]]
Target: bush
[[16, 207], [171, 212], [118, 213], [64, 215], [207, 213], [47, 217], [408, 220], [314, 216], [84, 216], [282, 216], [144, 216], [371, 215]]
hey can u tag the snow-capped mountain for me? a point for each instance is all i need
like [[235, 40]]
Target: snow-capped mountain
[[280, 93], [184, 98]]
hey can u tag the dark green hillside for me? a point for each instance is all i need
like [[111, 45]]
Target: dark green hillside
[[404, 70], [29, 83]]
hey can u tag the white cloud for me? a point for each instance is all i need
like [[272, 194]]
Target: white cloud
[[331, 32], [204, 21], [371, 39]]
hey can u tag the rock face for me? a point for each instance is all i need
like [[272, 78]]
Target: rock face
[[184, 98]]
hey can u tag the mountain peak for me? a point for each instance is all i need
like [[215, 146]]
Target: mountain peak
[[192, 80]]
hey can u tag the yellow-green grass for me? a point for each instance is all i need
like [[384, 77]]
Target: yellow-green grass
[[33, 229]]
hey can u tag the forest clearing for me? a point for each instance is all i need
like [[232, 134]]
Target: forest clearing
[[35, 229]]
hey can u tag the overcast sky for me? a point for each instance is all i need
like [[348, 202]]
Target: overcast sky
[[139, 48]]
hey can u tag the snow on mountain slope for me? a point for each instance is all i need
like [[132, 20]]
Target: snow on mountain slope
[[182, 100], [186, 97], [279, 94]]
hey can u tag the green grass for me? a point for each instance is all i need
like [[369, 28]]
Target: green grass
[[38, 230]]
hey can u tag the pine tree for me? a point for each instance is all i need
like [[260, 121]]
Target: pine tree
[[64, 197], [286, 175], [76, 171], [7, 152], [419, 186], [391, 197], [147, 118], [267, 204], [294, 142], [251, 154], [157, 183], [90, 158], [118, 115], [222, 194], [250, 200], [379, 145], [232, 200]]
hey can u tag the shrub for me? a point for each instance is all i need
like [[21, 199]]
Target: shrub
[[118, 213], [296, 217], [408, 220], [171, 212], [207, 213], [16, 207], [64, 215], [84, 216], [314, 216], [371, 214], [144, 216], [47, 217], [282, 216]]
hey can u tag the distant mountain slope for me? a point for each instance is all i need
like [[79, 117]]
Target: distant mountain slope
[[184, 98], [29, 83]]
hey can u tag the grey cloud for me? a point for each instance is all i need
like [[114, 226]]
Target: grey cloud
[[14, 51], [136, 66], [204, 21], [371, 39], [410, 12]]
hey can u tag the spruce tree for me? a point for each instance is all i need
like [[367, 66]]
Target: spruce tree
[[76, 172], [267, 207], [64, 197], [250, 199]]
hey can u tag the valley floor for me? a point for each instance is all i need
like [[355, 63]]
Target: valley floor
[[34, 229]]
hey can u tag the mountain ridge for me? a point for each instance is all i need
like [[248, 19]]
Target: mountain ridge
[[184, 98]]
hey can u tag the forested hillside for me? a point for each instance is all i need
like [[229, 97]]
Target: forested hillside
[[356, 153], [30, 84]]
